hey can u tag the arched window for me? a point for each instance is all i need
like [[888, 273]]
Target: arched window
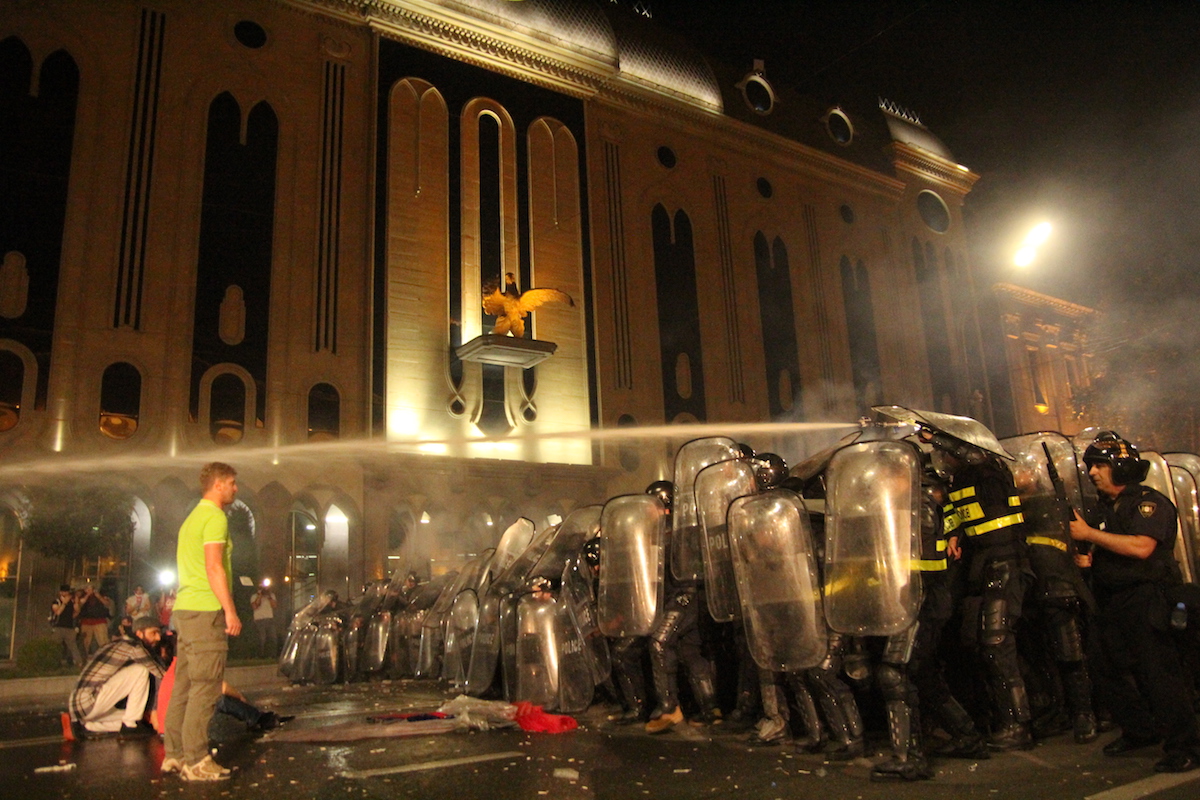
[[12, 384], [227, 409], [324, 413], [120, 400]]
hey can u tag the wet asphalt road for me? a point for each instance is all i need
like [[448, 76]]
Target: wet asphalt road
[[598, 760]]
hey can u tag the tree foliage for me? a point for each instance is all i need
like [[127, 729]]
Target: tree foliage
[[73, 522]]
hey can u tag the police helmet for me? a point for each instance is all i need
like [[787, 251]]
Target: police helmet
[[664, 491], [769, 470], [1127, 466], [954, 447], [591, 552]]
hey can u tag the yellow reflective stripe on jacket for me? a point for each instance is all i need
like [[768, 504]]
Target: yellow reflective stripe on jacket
[[950, 520], [966, 491], [1046, 540], [1014, 501], [970, 512], [995, 524], [932, 565], [941, 545]]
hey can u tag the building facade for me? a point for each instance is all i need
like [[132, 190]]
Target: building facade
[[259, 232]]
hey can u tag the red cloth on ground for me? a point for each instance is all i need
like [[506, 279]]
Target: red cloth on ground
[[533, 718]]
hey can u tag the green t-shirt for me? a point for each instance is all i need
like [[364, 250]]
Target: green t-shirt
[[206, 524]]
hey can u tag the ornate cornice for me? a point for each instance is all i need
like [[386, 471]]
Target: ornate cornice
[[913, 160], [1028, 298]]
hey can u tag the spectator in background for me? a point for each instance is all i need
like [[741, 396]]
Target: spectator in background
[[264, 602], [138, 604], [94, 613], [165, 606], [62, 624]]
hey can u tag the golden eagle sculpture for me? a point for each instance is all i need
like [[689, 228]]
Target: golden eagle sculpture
[[510, 307]]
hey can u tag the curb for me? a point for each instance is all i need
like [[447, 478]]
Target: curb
[[16, 692]]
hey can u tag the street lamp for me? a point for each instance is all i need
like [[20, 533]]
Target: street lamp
[[1033, 240]]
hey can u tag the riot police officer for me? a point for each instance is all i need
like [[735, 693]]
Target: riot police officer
[[627, 656], [675, 638], [1134, 661], [992, 546]]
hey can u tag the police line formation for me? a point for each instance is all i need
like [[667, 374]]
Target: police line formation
[[796, 596]]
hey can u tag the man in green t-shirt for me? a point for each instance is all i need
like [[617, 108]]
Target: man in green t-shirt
[[204, 618]]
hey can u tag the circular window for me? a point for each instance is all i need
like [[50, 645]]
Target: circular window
[[839, 127], [933, 211], [666, 157], [765, 188], [250, 34], [847, 214], [758, 94]]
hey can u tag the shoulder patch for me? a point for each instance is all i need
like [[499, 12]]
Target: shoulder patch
[[1146, 508]]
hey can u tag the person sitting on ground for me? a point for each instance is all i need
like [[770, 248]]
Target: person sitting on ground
[[113, 691]]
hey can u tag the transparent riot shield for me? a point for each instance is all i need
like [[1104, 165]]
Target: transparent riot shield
[[1159, 478], [771, 549], [965, 429], [509, 634], [631, 564], [1090, 498], [581, 601], [872, 539], [1187, 500], [481, 672], [1188, 504], [513, 542], [460, 638], [717, 486], [433, 626], [576, 679], [580, 525], [304, 669], [405, 639], [1047, 507], [687, 556], [537, 647], [327, 650], [516, 574]]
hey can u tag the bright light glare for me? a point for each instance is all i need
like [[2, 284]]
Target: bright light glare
[[166, 577], [1033, 240]]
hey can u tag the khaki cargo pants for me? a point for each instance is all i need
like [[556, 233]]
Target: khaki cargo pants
[[199, 672]]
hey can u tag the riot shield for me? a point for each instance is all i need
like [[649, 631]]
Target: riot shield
[[717, 486], [872, 518], [580, 525], [515, 575], [1090, 498], [966, 429], [327, 650], [579, 599], [771, 549], [304, 670], [537, 646], [433, 626], [687, 555], [481, 672], [1187, 500], [1047, 514], [404, 642], [509, 634], [631, 564], [1159, 478], [1188, 504], [576, 679], [515, 539], [460, 638]]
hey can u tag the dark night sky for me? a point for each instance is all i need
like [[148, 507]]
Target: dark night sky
[[1086, 114]]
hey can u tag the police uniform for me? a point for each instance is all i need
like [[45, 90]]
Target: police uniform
[[992, 537], [1132, 627]]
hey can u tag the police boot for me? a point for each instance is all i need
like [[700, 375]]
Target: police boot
[[1078, 687], [906, 762], [965, 740], [665, 721], [813, 739], [706, 698], [845, 729], [1014, 732]]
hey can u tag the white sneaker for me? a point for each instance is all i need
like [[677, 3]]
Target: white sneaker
[[170, 765], [205, 770]]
